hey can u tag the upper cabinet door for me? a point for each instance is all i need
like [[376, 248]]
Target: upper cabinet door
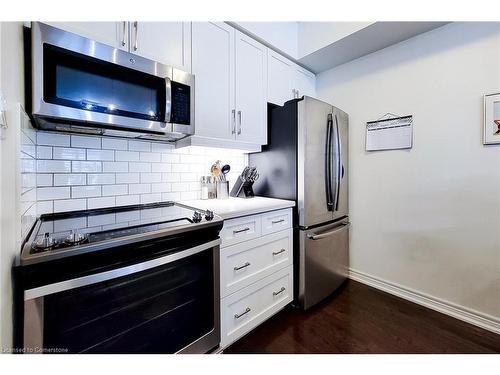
[[113, 34], [305, 82], [166, 42], [213, 67], [280, 78], [251, 92]]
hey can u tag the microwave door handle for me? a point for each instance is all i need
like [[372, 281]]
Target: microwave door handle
[[168, 100], [328, 163]]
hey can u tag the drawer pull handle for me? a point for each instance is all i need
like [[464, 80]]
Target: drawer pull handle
[[277, 221], [279, 291], [279, 252], [241, 230], [241, 267], [247, 310]]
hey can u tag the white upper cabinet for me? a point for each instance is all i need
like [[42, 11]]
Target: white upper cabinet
[[305, 82], [166, 42], [213, 67], [251, 90], [111, 33], [280, 78]]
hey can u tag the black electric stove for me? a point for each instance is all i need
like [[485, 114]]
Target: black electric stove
[[59, 235]]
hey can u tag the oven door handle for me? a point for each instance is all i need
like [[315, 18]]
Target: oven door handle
[[113, 274], [168, 100]]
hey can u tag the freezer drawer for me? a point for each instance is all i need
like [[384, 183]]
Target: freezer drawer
[[323, 261]]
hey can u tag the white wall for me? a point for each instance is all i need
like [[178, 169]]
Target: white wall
[[313, 36], [282, 35], [428, 218], [12, 85]]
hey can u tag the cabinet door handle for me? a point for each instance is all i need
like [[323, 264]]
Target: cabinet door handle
[[123, 34], [241, 267], [239, 118], [247, 310], [136, 27], [233, 113], [279, 252], [279, 291], [277, 221], [241, 230]]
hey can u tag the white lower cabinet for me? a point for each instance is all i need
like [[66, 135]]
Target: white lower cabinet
[[256, 271], [247, 308]]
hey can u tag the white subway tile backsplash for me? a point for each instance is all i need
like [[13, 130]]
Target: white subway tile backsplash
[[85, 191], [139, 188], [161, 188], [43, 152], [70, 205], [171, 196], [100, 179], [189, 195], [139, 146], [127, 178], [150, 198], [127, 156], [139, 167], [115, 166], [147, 178], [44, 207], [65, 153], [125, 200], [179, 186], [52, 139], [86, 166], [161, 167], [171, 177], [150, 157], [85, 172], [114, 190], [103, 202], [69, 179], [114, 144], [53, 166], [170, 158], [85, 142], [104, 155], [161, 147], [50, 193], [42, 179]]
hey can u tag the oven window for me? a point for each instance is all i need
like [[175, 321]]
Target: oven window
[[160, 310], [79, 81]]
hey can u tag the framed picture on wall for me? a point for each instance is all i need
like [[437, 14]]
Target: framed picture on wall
[[491, 131]]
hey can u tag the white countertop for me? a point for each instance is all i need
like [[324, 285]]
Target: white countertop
[[235, 207]]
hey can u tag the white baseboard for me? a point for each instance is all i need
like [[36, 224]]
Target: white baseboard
[[487, 322]]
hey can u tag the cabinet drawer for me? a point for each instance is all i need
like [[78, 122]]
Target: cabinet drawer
[[240, 229], [245, 263], [275, 221], [248, 307]]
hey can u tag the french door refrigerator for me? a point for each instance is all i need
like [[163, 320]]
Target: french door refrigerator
[[306, 160]]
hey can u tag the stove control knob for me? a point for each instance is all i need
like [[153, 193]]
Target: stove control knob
[[209, 215], [197, 217]]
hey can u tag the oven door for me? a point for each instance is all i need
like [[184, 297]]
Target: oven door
[[78, 80], [164, 305]]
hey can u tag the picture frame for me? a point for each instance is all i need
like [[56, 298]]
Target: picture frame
[[491, 119]]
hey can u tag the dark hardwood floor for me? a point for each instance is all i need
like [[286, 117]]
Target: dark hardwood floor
[[361, 319]]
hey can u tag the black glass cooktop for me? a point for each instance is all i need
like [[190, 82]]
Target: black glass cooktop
[[57, 232]]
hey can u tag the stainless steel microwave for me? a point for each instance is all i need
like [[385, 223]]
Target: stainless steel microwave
[[80, 85]]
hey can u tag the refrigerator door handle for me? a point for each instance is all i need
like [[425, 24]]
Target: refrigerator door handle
[[328, 234], [338, 164], [328, 164]]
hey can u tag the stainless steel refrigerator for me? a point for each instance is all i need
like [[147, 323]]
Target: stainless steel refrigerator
[[306, 160]]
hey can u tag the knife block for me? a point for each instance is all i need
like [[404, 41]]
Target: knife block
[[242, 189]]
